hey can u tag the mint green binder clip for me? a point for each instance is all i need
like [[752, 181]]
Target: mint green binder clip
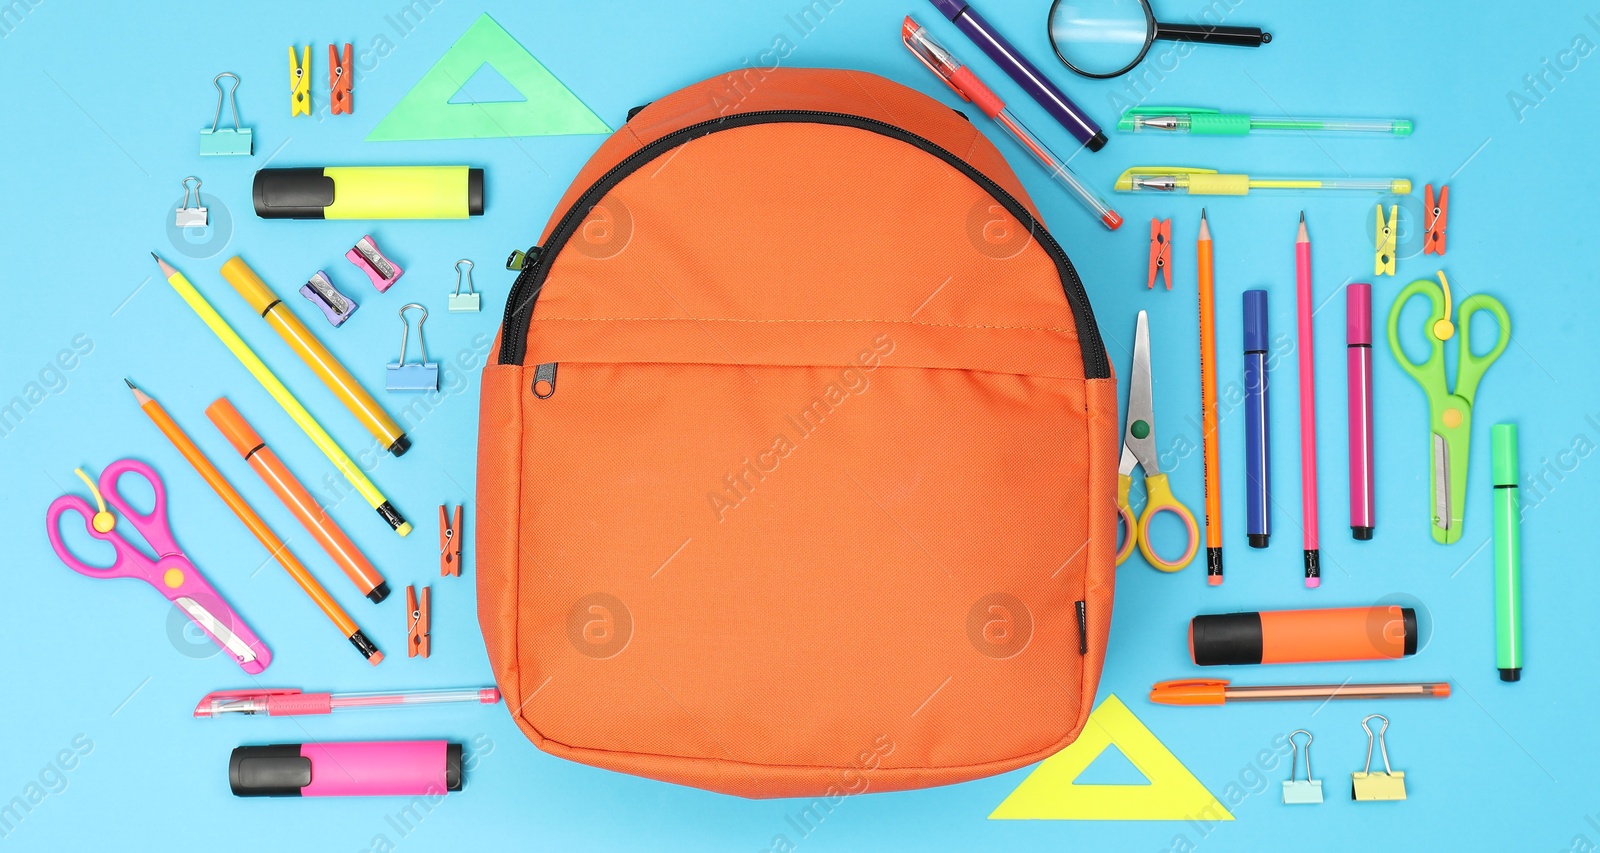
[[1296, 791], [221, 140]]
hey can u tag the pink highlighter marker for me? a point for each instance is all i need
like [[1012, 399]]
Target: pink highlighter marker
[[371, 769], [1358, 343]]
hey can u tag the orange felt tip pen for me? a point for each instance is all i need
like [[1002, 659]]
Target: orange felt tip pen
[[1200, 691], [966, 84], [299, 501]]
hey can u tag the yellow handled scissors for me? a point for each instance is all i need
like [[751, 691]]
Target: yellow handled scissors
[[1139, 450]]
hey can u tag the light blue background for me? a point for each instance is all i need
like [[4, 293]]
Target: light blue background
[[102, 102]]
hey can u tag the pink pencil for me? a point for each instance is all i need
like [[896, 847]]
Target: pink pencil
[[1308, 404]]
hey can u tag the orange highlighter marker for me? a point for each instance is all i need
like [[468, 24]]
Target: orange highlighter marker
[[299, 501]]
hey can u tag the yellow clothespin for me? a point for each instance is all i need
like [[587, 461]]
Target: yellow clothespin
[[300, 83], [1366, 785], [1383, 261]]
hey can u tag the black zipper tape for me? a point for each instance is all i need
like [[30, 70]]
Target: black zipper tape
[[525, 292]]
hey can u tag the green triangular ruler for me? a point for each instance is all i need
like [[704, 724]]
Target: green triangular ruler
[[426, 112], [1050, 792]]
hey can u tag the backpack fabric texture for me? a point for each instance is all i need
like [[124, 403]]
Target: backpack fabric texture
[[797, 453]]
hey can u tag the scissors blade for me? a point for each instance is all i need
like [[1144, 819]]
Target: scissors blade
[[1441, 483], [230, 641], [1139, 435]]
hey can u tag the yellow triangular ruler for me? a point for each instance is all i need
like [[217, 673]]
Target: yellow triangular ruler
[[1173, 793]]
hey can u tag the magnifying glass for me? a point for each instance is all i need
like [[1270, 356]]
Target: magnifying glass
[[1107, 38]]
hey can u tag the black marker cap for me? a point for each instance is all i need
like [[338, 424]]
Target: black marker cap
[[1225, 639], [1361, 534], [291, 193], [268, 771]]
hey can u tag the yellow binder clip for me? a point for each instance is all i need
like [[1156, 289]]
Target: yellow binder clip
[[1383, 260], [299, 83], [1367, 785]]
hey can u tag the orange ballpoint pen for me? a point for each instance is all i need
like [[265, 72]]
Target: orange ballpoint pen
[[1201, 691]]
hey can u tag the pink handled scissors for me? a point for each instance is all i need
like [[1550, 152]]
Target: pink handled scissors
[[170, 572]]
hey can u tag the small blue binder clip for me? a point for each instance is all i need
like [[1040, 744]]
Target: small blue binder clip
[[222, 140], [421, 375]]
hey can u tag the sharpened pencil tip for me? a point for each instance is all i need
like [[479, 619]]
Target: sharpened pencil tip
[[156, 256], [1302, 217], [130, 383]]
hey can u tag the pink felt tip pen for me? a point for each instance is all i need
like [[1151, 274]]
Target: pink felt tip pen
[[966, 84], [293, 703], [401, 768], [1358, 343]]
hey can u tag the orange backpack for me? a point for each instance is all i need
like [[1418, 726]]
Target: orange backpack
[[797, 458]]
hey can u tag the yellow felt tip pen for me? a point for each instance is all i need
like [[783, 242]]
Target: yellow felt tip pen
[[1192, 181], [297, 412], [310, 349]]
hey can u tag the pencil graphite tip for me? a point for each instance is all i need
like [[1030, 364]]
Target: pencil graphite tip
[[1302, 237], [1205, 228], [131, 386], [166, 268]]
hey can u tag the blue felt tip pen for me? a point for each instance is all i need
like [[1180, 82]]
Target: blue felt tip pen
[[1257, 441]]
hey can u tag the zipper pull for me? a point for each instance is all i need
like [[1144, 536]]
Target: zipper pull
[[521, 260], [544, 380]]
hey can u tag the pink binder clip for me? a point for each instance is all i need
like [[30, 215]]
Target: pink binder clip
[[383, 272]]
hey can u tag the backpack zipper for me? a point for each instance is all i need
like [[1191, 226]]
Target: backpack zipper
[[525, 292]]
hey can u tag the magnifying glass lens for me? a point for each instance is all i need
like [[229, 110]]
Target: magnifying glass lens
[[1100, 38]]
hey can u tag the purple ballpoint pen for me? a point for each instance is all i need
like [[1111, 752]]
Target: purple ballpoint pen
[[1029, 77]]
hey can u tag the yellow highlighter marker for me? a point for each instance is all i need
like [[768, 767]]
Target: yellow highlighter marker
[[297, 412], [316, 356], [1192, 181]]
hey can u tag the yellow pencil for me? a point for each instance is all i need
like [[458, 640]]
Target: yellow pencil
[[308, 424], [316, 356]]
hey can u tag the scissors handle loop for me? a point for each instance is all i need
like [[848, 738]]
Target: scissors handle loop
[[1158, 499]]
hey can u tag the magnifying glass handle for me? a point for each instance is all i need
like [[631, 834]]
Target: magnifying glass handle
[[1233, 36]]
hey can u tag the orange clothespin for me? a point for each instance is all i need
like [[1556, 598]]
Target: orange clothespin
[[1160, 252], [340, 81], [1435, 217], [449, 542], [419, 621]]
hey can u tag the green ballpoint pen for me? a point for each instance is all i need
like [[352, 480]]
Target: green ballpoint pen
[[1203, 121], [1507, 553]]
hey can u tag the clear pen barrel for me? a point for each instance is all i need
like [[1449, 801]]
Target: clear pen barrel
[[411, 697], [1392, 126]]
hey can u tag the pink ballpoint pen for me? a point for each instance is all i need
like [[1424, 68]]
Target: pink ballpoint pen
[[1308, 404], [966, 84], [291, 702], [1358, 344]]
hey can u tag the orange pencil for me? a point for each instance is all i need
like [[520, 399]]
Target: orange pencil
[[263, 533], [1208, 406], [299, 501]]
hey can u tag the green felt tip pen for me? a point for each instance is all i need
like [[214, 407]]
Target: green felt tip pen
[[1507, 553], [1202, 121]]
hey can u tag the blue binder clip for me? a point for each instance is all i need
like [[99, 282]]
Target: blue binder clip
[[420, 375], [222, 140]]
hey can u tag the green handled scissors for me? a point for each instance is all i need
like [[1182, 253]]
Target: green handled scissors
[[1449, 412]]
